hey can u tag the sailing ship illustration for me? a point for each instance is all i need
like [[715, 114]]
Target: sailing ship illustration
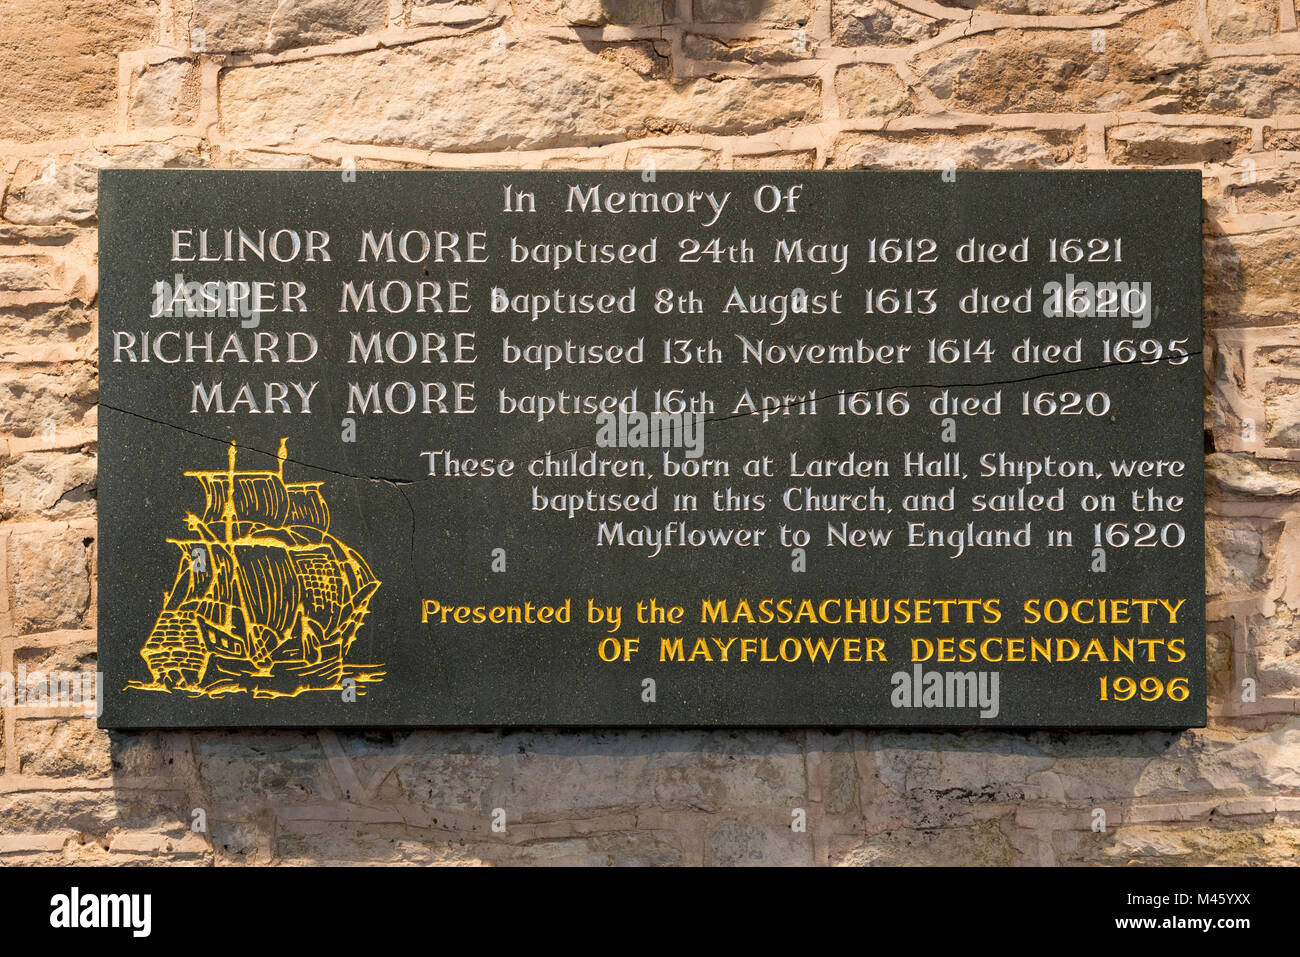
[[265, 599]]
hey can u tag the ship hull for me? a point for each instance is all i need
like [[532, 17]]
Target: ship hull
[[175, 652], [187, 653]]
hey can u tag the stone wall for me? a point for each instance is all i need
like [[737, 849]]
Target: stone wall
[[730, 84]]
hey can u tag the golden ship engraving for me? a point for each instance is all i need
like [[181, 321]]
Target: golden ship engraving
[[265, 600]]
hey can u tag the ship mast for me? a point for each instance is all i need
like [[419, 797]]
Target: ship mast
[[228, 516]]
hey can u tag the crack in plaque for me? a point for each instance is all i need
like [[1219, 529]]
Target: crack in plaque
[[398, 482]]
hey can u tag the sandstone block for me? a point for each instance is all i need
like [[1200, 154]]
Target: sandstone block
[[532, 94], [881, 23], [594, 13], [58, 64], [989, 150], [49, 579], [48, 485], [783, 13], [165, 94], [63, 747], [1149, 144], [867, 90], [1232, 21], [982, 845], [245, 26]]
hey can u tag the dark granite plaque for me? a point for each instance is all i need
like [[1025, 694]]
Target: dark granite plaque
[[624, 449]]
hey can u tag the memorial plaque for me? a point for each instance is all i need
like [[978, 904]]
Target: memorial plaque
[[621, 449]]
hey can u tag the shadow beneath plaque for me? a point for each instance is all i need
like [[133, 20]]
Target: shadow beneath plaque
[[678, 796]]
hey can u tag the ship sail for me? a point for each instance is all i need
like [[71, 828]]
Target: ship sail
[[260, 498], [308, 507]]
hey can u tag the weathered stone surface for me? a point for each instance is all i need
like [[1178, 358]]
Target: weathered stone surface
[[1192, 762], [165, 94], [1232, 21], [318, 842], [992, 150], [599, 161], [254, 768], [1030, 73], [49, 579], [57, 190], [1225, 845], [41, 403], [58, 64], [789, 159], [462, 780], [646, 159], [1250, 277], [252, 25], [594, 13], [840, 788], [239, 842], [324, 842], [1276, 139], [254, 159], [34, 272], [1220, 681], [1266, 189], [1150, 144], [527, 95], [783, 13], [881, 23], [936, 780], [87, 814], [72, 656], [43, 325], [50, 484], [1171, 51], [700, 47], [867, 90], [737, 842], [1244, 475], [981, 845], [1104, 769], [554, 772], [1236, 556], [145, 754], [944, 76], [1255, 373], [1275, 653], [63, 746], [1282, 413], [177, 153], [1036, 7], [1248, 87], [1149, 56], [451, 12]]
